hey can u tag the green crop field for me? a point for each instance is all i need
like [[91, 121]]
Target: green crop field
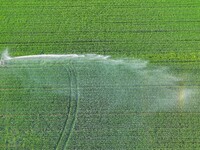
[[146, 96], [151, 29]]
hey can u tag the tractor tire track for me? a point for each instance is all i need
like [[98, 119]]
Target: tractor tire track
[[68, 111], [76, 99], [71, 109]]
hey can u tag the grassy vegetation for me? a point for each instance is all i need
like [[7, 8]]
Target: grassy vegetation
[[93, 103], [38, 99], [155, 30], [33, 111]]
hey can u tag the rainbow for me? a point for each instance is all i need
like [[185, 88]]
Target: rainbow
[[181, 97]]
